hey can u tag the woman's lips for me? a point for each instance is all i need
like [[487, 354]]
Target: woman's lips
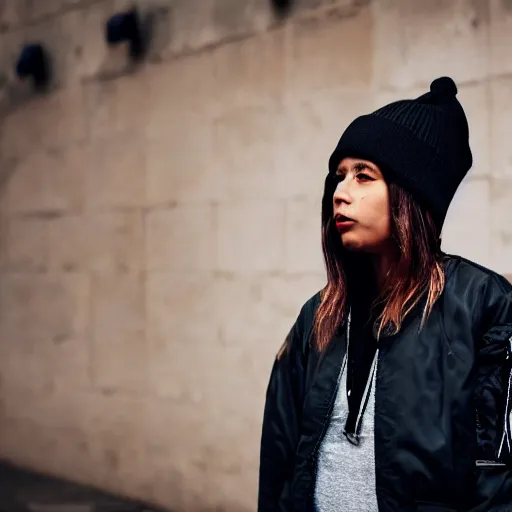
[[343, 225]]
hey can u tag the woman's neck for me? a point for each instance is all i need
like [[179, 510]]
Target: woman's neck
[[381, 265]]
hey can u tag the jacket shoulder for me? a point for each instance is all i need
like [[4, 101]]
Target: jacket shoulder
[[306, 319], [297, 339], [487, 294], [308, 310], [464, 271]]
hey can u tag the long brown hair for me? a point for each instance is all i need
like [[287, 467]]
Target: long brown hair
[[418, 271]]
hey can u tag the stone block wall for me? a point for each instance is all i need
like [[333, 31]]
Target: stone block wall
[[159, 224]]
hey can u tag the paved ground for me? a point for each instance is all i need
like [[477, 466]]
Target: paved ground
[[23, 491]]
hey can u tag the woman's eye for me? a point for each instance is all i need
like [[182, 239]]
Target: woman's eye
[[364, 177]]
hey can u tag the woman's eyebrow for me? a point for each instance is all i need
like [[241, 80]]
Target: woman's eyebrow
[[358, 166], [361, 166]]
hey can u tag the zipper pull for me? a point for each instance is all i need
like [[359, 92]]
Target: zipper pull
[[352, 438]]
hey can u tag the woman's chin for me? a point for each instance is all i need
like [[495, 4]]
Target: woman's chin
[[351, 242]]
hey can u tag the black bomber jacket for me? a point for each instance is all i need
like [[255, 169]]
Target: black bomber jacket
[[443, 396]]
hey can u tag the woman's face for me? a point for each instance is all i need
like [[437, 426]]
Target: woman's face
[[361, 206]]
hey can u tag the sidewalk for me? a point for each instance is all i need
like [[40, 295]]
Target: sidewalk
[[24, 491]]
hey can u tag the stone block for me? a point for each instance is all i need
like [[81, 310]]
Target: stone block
[[64, 181], [64, 415], [61, 308], [250, 237], [330, 52], [16, 301], [20, 347], [24, 401], [251, 72], [12, 13], [37, 10], [475, 99], [117, 176], [183, 164], [303, 239], [26, 442], [48, 8], [117, 106], [467, 227], [234, 489], [63, 114], [416, 42], [65, 408], [68, 244], [176, 473], [233, 19], [24, 184], [232, 474], [501, 231], [119, 350], [499, 36], [190, 371], [56, 452], [181, 418], [178, 90], [47, 182], [245, 145], [501, 124], [194, 26], [24, 246], [191, 27], [43, 122], [243, 317], [181, 239], [116, 437], [116, 242], [174, 304], [256, 313], [44, 321], [68, 364]]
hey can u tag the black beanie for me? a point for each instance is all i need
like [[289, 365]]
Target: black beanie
[[421, 144]]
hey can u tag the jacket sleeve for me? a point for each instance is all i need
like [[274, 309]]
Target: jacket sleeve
[[496, 353], [494, 397], [281, 421]]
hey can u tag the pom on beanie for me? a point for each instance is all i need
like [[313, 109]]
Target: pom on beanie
[[444, 88]]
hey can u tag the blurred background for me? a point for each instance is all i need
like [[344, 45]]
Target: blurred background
[[160, 215]]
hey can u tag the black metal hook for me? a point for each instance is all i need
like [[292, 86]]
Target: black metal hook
[[282, 7], [126, 27], [34, 62]]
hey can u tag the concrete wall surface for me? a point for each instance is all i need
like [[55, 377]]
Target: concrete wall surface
[[160, 223]]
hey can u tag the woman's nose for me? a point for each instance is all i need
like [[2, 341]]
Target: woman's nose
[[342, 192]]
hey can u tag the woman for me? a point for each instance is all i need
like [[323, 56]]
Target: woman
[[392, 391]]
